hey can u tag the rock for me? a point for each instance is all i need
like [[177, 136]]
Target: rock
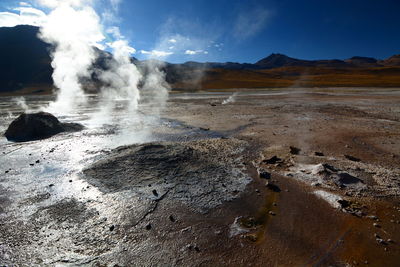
[[264, 174], [376, 225], [171, 218], [155, 193], [352, 158], [344, 203], [319, 154], [294, 150], [36, 126], [112, 227], [148, 227], [272, 213], [272, 160], [272, 187]]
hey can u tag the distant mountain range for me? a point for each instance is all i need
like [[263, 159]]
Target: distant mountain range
[[25, 63]]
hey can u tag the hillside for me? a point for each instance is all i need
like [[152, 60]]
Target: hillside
[[25, 68]]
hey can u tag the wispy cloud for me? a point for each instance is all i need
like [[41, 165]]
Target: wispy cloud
[[24, 4], [250, 23], [156, 53], [184, 37], [195, 52], [26, 16]]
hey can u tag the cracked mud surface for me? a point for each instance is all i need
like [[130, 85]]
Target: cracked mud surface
[[194, 196]]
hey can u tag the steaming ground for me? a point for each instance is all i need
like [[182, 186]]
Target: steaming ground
[[211, 181]]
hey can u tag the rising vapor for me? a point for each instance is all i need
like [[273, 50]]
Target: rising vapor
[[74, 28]]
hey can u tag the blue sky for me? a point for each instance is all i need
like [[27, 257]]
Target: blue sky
[[246, 31]]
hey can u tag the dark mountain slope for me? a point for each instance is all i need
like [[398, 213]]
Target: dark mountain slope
[[24, 58]]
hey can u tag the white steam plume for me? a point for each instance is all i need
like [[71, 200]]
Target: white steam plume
[[120, 81], [73, 28], [230, 99]]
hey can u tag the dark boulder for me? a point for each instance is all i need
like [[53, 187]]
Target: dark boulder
[[36, 126]]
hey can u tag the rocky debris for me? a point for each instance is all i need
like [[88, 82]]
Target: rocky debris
[[340, 178], [319, 154], [352, 158], [294, 150], [36, 126]]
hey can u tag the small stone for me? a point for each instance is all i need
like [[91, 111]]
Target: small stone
[[294, 150], [390, 241], [6, 171], [37, 161], [257, 191], [272, 160], [155, 193], [352, 158], [32, 164], [70, 181], [171, 218], [319, 154], [148, 227], [265, 175], [272, 213], [112, 227], [376, 225], [274, 204], [51, 185]]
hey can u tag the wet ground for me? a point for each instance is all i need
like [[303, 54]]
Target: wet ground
[[199, 185]]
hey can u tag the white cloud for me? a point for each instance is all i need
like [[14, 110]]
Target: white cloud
[[250, 23], [156, 53], [123, 47], [115, 32], [195, 52], [172, 40], [115, 4], [57, 3], [26, 16], [24, 4]]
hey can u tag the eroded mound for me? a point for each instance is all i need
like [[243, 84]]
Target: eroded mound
[[36, 126], [202, 174]]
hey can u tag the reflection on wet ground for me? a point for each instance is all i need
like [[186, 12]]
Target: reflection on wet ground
[[180, 196]]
